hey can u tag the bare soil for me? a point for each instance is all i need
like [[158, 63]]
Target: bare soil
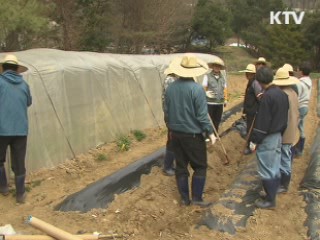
[[152, 210]]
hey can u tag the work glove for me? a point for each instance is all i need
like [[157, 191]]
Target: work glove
[[210, 94], [252, 146], [212, 138]]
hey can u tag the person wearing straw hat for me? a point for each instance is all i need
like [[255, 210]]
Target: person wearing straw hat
[[168, 161], [270, 124], [291, 134], [292, 74], [260, 62], [304, 94], [215, 85], [15, 98], [186, 115], [252, 96]]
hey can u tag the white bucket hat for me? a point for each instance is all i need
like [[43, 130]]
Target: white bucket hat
[[188, 66], [282, 78], [249, 69], [12, 59]]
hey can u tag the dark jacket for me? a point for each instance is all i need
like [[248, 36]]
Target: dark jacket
[[272, 116], [186, 107], [251, 100]]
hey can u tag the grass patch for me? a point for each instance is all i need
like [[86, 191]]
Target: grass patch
[[139, 135], [101, 157], [124, 143], [235, 58]]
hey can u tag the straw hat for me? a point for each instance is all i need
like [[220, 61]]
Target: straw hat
[[282, 78], [12, 59], [217, 61], [261, 60], [288, 67], [188, 66], [249, 69], [168, 71]]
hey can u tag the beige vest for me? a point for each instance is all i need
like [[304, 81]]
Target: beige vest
[[291, 134]]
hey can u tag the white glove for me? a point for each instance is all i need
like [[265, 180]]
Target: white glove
[[252, 146], [212, 138], [210, 94]]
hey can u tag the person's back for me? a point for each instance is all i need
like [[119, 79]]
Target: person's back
[[185, 108], [304, 91], [15, 98]]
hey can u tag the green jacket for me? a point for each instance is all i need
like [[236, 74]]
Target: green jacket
[[186, 107]]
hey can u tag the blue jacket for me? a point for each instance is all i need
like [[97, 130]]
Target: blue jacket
[[15, 98], [186, 107]]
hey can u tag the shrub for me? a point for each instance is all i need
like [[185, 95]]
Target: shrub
[[139, 135], [124, 143]]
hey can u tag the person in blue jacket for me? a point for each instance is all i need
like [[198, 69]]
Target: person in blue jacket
[[15, 98], [186, 115]]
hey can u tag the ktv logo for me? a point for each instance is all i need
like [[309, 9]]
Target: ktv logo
[[276, 17]]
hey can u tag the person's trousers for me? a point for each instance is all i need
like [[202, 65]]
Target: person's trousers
[[189, 149], [286, 156], [215, 113], [269, 156], [18, 147], [249, 122], [303, 111]]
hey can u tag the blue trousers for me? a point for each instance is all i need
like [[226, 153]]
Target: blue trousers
[[285, 164], [303, 111], [269, 156]]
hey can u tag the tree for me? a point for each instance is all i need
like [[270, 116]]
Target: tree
[[212, 21], [311, 32], [21, 24]]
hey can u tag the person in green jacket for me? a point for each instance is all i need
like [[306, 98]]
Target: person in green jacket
[[186, 115], [15, 98]]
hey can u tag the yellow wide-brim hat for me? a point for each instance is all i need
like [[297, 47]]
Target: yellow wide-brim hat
[[217, 61], [251, 68], [282, 78], [188, 66], [12, 59], [288, 67]]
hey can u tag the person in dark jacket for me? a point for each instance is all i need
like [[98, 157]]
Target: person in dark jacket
[[271, 122], [251, 101], [15, 98], [186, 115]]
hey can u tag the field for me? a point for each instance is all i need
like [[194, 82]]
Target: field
[[151, 211]]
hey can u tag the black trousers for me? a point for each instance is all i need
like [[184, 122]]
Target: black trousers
[[215, 112], [249, 121], [18, 148], [189, 149]]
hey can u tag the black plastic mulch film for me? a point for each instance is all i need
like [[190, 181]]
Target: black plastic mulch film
[[99, 194], [310, 187]]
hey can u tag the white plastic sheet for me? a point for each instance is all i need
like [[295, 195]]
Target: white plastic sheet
[[83, 99]]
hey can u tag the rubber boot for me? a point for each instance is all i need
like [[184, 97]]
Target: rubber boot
[[4, 189], [20, 189], [183, 187], [299, 147], [284, 183], [270, 187], [168, 169], [197, 191]]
